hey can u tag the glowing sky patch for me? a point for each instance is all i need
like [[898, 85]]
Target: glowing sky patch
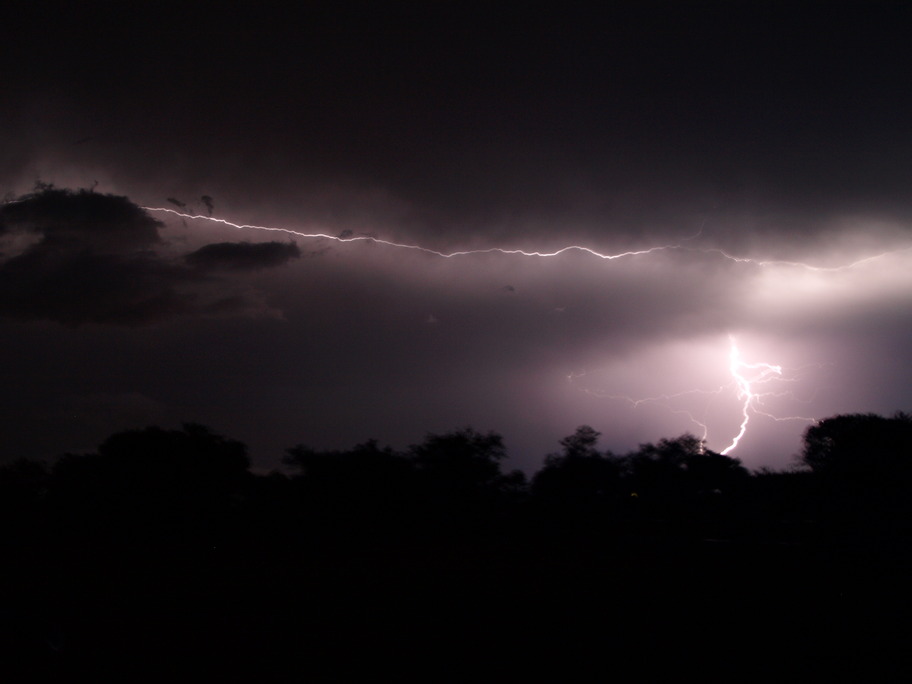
[[752, 385]]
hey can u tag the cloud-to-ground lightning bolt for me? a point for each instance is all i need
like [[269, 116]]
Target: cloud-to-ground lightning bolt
[[748, 383], [747, 376]]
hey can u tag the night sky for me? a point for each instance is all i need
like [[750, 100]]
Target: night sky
[[765, 148]]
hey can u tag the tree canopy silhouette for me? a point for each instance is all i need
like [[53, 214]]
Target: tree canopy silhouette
[[465, 460], [363, 484], [152, 482], [579, 476], [860, 445], [862, 464], [688, 459]]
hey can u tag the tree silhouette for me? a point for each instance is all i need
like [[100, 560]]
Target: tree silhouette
[[23, 492], [163, 543], [684, 488], [660, 469], [460, 478], [683, 464], [581, 443], [366, 486], [463, 461], [152, 484], [865, 446], [23, 483], [579, 478], [862, 465]]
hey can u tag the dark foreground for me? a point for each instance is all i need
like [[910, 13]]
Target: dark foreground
[[481, 607], [162, 558]]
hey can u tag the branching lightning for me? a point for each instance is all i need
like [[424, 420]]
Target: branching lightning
[[662, 400], [747, 377], [752, 384]]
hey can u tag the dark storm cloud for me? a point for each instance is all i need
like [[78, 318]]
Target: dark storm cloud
[[78, 257], [242, 256], [49, 282], [83, 219], [621, 118]]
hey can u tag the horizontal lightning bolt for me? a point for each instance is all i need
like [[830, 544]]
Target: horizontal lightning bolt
[[419, 248], [661, 399], [801, 264], [521, 252]]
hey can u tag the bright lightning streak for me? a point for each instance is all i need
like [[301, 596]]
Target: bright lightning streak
[[427, 250], [748, 383], [747, 376], [520, 252], [745, 384]]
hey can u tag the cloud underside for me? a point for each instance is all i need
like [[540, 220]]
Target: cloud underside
[[81, 257], [242, 256]]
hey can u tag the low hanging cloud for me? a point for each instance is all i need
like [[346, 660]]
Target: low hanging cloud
[[77, 257], [242, 256]]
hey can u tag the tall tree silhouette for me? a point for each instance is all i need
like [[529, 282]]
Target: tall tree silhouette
[[579, 479]]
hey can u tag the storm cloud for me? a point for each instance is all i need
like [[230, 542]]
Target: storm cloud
[[242, 256], [77, 257]]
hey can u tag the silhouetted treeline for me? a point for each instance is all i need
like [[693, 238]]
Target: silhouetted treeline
[[164, 541]]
